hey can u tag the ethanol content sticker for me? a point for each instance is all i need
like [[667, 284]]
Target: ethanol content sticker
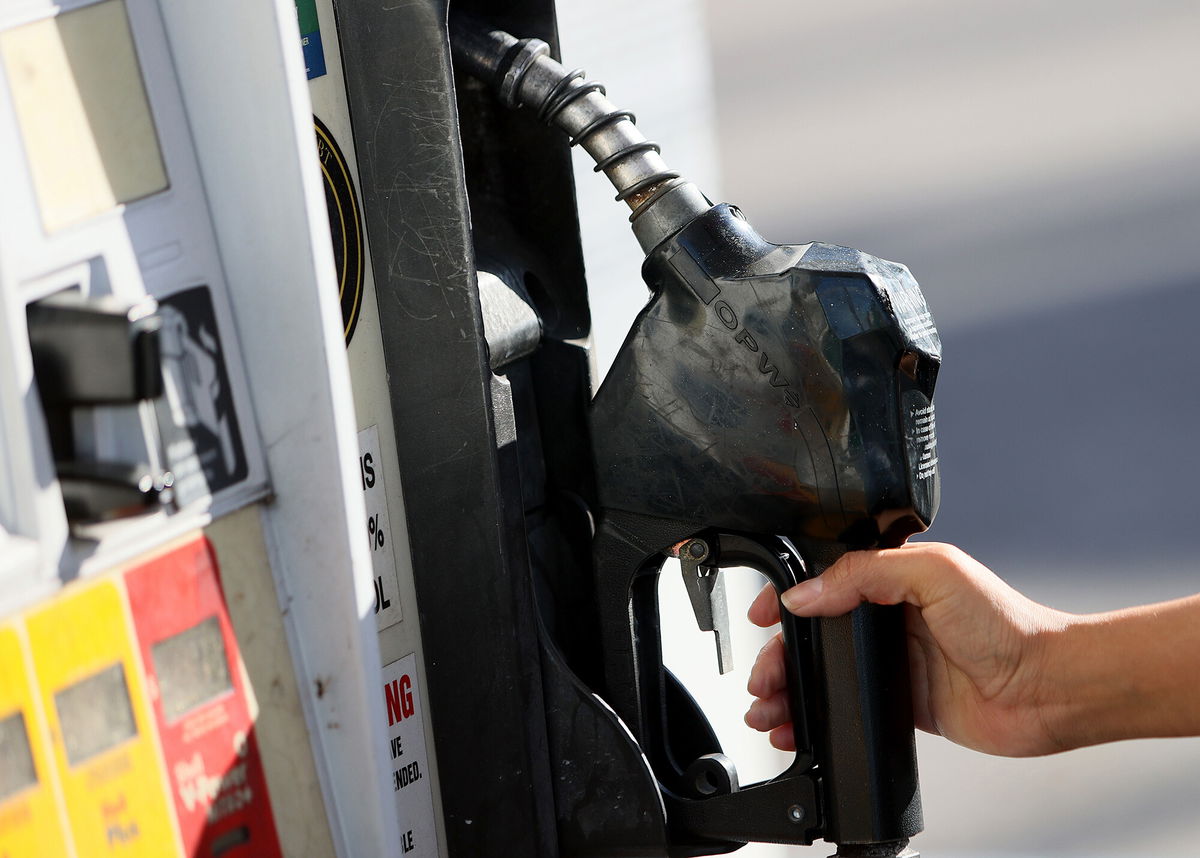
[[345, 226], [379, 529]]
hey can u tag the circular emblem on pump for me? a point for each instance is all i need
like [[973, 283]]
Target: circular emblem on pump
[[345, 226]]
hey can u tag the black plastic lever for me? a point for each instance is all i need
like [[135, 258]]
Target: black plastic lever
[[781, 564]]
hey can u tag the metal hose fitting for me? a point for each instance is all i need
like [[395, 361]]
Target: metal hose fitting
[[524, 74]]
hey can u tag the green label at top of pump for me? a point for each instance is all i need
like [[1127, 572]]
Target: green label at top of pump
[[310, 38]]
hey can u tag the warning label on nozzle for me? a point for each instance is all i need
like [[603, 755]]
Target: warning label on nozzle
[[408, 758]]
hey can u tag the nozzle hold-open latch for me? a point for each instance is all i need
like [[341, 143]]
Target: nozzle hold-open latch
[[705, 587]]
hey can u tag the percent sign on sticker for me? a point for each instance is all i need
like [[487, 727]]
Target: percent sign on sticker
[[375, 532]]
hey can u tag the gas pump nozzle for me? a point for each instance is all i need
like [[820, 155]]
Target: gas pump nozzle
[[772, 408]]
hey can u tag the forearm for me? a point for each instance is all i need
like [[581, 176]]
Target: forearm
[[1126, 674]]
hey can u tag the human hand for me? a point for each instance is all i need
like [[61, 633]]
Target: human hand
[[977, 648]]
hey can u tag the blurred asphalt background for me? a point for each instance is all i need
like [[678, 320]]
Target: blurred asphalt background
[[1037, 166]]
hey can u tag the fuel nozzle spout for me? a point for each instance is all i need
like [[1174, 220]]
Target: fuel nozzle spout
[[525, 75]]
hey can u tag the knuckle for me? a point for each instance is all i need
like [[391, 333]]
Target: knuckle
[[942, 550], [957, 561], [857, 572], [849, 568], [948, 557]]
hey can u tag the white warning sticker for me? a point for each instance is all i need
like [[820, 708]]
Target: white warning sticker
[[378, 529], [409, 759]]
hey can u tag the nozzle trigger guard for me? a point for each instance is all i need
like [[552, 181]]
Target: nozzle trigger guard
[[704, 800]]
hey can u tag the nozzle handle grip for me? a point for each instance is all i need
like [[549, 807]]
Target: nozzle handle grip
[[863, 726]]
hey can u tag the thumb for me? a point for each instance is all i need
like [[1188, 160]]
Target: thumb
[[885, 577]]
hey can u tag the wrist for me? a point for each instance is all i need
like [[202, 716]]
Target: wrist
[[1077, 695], [1122, 675]]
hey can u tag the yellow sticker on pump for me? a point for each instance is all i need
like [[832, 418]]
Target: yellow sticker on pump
[[105, 750], [29, 810]]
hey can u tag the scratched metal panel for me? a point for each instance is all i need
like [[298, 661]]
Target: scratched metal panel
[[463, 504]]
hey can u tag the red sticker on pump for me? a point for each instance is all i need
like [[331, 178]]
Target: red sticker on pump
[[198, 689]]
